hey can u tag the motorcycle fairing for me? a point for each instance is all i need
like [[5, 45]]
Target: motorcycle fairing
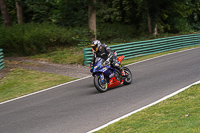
[[114, 82], [99, 68]]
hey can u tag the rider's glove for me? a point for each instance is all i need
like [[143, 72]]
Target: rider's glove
[[107, 61], [116, 64]]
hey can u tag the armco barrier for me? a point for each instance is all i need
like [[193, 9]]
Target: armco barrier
[[1, 59], [141, 48]]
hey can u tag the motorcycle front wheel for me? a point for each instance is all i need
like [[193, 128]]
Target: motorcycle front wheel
[[100, 86]]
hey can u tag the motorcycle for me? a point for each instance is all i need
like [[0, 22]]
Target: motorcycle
[[105, 76]]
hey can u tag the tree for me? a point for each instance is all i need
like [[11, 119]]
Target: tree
[[152, 10], [5, 14], [149, 22], [19, 12], [92, 19]]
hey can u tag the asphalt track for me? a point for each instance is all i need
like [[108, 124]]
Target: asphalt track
[[78, 108]]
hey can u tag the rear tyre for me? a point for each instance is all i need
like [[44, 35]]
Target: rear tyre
[[128, 78], [101, 87]]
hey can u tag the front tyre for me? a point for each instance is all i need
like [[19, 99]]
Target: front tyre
[[128, 74], [100, 86]]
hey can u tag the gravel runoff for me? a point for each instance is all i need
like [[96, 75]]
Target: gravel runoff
[[75, 71]]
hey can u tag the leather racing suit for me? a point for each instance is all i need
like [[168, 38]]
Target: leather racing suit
[[105, 52]]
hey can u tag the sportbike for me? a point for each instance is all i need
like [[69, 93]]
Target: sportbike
[[105, 76]]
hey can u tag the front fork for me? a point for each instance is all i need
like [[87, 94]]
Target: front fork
[[102, 77]]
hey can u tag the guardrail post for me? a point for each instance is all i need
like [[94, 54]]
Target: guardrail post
[[87, 56], [1, 59]]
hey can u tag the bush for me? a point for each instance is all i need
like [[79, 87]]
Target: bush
[[196, 26], [180, 25], [30, 39], [34, 38]]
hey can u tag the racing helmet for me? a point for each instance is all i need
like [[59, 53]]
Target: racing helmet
[[95, 45]]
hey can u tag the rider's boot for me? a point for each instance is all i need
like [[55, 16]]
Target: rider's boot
[[120, 70]]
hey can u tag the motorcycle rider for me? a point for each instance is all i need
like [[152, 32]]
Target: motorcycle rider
[[105, 52]]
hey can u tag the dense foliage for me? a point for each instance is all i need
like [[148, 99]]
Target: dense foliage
[[50, 23], [34, 38]]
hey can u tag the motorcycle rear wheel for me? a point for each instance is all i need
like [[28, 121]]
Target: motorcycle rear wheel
[[101, 87], [128, 79]]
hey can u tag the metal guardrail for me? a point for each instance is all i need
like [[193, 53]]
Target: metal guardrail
[[141, 48], [1, 59]]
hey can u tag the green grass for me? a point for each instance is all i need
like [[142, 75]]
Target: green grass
[[21, 81], [178, 114], [68, 55]]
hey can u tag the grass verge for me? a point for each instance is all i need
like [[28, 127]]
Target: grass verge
[[68, 55], [20, 82], [178, 114]]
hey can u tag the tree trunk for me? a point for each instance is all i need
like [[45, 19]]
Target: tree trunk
[[92, 19], [5, 14], [155, 30], [149, 23], [103, 1], [19, 12]]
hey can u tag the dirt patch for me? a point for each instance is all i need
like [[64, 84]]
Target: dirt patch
[[74, 71]]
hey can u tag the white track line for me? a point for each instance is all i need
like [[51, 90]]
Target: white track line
[[43, 90], [87, 77], [162, 99]]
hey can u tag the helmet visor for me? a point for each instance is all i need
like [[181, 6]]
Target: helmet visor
[[94, 47]]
